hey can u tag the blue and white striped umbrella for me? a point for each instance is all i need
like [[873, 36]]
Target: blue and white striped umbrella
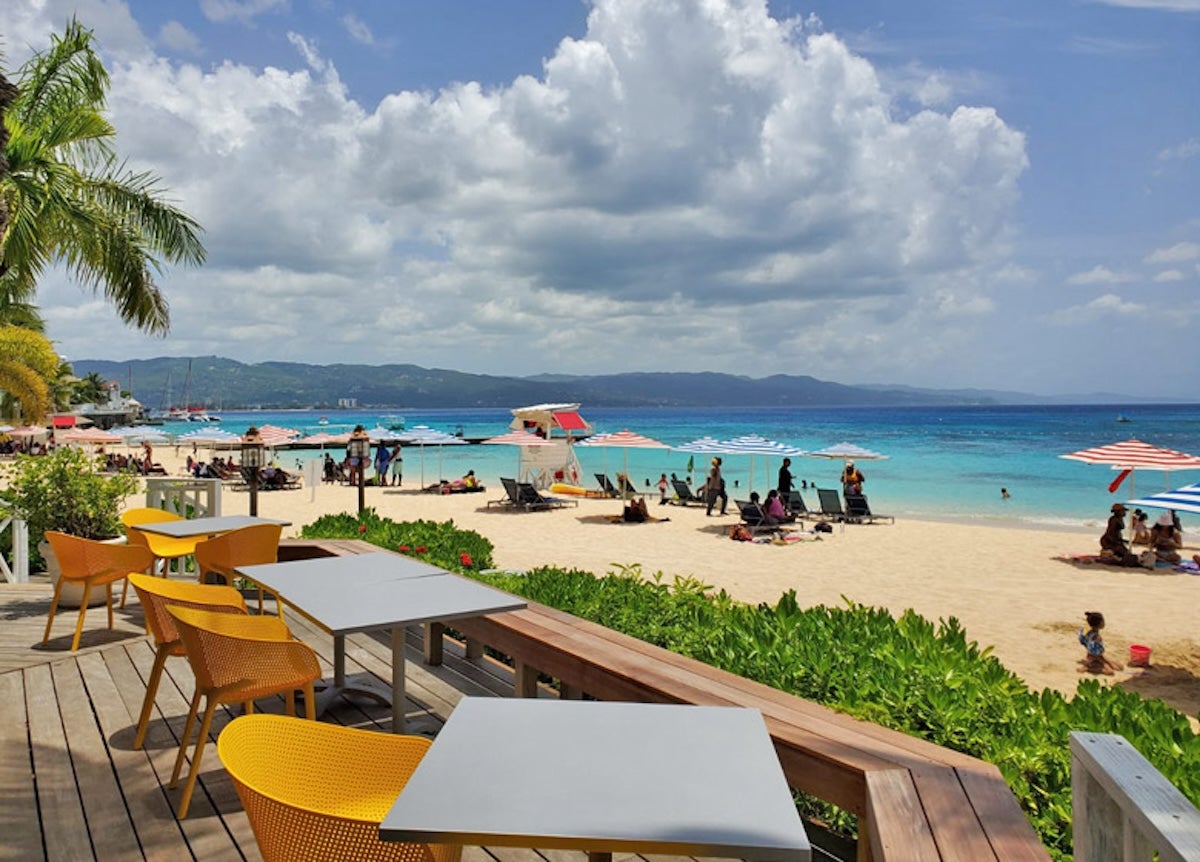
[[756, 444], [1185, 499], [422, 436], [208, 435]]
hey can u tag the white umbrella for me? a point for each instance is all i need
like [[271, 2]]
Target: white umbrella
[[138, 434], [846, 452], [756, 444]]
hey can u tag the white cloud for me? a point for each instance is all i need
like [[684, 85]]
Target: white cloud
[[1169, 275], [179, 38], [1161, 5], [358, 29], [685, 171], [1181, 252], [1101, 275], [1107, 306], [239, 10], [1189, 149]]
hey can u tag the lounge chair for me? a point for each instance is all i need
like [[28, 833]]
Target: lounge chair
[[831, 504], [531, 498], [752, 514], [512, 494], [858, 510], [626, 487], [795, 504], [684, 495], [606, 486]]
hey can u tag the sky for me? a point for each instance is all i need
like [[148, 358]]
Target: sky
[[938, 193]]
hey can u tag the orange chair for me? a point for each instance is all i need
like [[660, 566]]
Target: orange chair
[[164, 548], [237, 659], [319, 791], [155, 594], [221, 555], [92, 564]]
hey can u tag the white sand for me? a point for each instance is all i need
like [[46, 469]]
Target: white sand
[[1003, 584]]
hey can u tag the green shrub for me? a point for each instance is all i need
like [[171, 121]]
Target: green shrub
[[904, 672]]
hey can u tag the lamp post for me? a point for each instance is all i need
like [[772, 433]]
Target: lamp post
[[359, 450], [252, 459]]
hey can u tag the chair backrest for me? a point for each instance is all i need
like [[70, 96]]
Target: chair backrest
[[156, 593], [605, 485], [82, 558], [795, 502], [311, 784], [147, 515], [511, 489], [529, 494], [249, 546], [831, 503], [752, 513], [682, 491], [856, 506], [216, 643]]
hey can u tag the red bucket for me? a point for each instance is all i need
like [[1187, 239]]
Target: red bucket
[[1139, 655]]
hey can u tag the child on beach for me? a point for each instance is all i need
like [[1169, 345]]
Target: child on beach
[[662, 490], [1093, 642]]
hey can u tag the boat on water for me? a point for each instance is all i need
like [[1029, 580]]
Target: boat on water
[[324, 420], [393, 423], [1121, 417]]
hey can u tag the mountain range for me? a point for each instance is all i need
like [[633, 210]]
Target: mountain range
[[225, 384]]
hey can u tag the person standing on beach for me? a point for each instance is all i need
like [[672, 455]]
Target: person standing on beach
[[381, 464], [784, 485], [714, 487], [662, 490], [397, 465], [852, 479]]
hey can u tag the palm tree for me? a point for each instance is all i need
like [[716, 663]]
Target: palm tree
[[92, 389], [70, 200], [28, 363]]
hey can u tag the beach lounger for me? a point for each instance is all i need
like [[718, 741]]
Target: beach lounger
[[752, 513], [531, 498], [606, 486], [684, 495], [626, 487], [831, 504], [512, 494], [795, 505], [859, 511]]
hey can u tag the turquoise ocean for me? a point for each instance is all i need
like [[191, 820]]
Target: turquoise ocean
[[942, 462]]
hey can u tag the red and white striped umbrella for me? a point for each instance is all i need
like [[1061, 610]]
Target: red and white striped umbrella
[[1130, 455], [626, 440]]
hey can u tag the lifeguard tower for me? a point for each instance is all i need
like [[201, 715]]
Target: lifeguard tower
[[560, 425]]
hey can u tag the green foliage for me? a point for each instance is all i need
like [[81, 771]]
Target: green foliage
[[66, 491], [438, 543], [905, 673]]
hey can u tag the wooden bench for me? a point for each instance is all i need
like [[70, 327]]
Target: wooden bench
[[914, 800]]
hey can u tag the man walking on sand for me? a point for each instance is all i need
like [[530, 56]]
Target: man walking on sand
[[714, 487]]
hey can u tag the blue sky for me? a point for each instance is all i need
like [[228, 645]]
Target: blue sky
[[937, 193]]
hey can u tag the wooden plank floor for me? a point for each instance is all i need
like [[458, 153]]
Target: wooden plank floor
[[72, 786]]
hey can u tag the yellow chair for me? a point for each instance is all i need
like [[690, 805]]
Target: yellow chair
[[92, 564], [164, 548], [155, 594], [319, 791], [249, 546], [237, 659]]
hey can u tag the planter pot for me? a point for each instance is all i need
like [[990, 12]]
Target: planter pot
[[72, 594]]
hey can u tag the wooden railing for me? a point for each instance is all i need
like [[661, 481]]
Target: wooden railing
[[1123, 809], [914, 800]]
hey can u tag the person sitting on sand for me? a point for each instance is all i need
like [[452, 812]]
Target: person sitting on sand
[[1165, 540], [1093, 642], [1139, 532], [636, 512], [1112, 544]]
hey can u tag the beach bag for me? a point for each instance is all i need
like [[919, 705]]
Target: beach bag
[[822, 527], [740, 533]]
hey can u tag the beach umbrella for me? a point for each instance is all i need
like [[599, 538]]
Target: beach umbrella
[[208, 435], [89, 436], [29, 431], [702, 446], [625, 440], [518, 438], [846, 452], [1131, 455], [756, 444], [138, 434], [422, 436], [1185, 499]]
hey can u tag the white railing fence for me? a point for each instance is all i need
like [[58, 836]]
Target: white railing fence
[[191, 498], [1123, 809], [16, 570]]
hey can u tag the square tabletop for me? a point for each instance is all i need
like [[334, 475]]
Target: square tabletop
[[206, 526], [373, 591], [602, 777]]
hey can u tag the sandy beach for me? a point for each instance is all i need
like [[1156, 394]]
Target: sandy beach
[[1004, 584]]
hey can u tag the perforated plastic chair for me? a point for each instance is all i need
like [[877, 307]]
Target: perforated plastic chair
[[237, 659], [164, 548], [220, 556], [92, 564], [319, 791], [155, 594]]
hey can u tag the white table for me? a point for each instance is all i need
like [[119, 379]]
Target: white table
[[213, 526], [367, 592], [602, 777]]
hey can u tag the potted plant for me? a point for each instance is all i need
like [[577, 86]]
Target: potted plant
[[66, 491]]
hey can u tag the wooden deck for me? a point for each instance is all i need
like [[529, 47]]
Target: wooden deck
[[74, 788]]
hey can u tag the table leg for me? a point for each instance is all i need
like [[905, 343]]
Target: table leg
[[339, 661], [398, 679], [361, 684]]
